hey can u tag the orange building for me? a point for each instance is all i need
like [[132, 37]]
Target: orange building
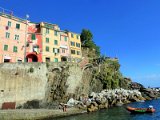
[[12, 38]]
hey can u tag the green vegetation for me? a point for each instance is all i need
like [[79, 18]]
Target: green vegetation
[[31, 70], [87, 42], [109, 74]]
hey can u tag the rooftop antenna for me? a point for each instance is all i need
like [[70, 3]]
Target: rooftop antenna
[[6, 10], [27, 16]]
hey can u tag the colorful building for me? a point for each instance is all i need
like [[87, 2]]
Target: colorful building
[[34, 43], [50, 42], [24, 41], [64, 46], [12, 38], [75, 47]]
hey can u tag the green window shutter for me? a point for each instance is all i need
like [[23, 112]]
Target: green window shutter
[[72, 51], [55, 59], [18, 26], [72, 35], [78, 52], [5, 47], [16, 37], [55, 33], [47, 40], [9, 23], [72, 43], [78, 45], [33, 37], [65, 38], [7, 34], [47, 30], [55, 42], [47, 48], [15, 49], [77, 37]]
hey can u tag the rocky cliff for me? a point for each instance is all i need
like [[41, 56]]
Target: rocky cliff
[[34, 85]]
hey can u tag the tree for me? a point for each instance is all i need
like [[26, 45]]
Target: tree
[[87, 41], [86, 37]]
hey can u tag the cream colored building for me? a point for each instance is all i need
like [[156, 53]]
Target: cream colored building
[[50, 42]]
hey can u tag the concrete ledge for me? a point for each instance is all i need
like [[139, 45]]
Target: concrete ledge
[[37, 114]]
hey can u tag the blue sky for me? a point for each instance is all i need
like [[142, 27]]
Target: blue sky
[[127, 29]]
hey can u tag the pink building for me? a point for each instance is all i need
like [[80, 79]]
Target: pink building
[[64, 47], [12, 38], [34, 43]]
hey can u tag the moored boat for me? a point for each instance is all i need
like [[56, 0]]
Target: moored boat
[[150, 109]]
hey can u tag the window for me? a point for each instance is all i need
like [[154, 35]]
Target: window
[[55, 33], [47, 48], [7, 34], [72, 51], [47, 30], [78, 45], [16, 37], [18, 26], [72, 35], [35, 48], [78, 52], [5, 47], [19, 61], [33, 37], [47, 59], [77, 36], [55, 42], [55, 59], [72, 43], [14, 48], [47, 40], [65, 38], [55, 50], [63, 50], [9, 23]]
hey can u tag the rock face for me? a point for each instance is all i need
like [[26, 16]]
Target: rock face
[[45, 85], [34, 85], [147, 93], [116, 97]]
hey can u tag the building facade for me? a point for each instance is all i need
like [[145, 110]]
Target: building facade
[[24, 41], [64, 46], [34, 43], [75, 47], [50, 42], [12, 38]]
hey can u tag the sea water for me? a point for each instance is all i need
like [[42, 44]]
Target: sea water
[[120, 113]]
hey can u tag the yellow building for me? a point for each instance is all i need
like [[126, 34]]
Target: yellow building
[[75, 46], [50, 42]]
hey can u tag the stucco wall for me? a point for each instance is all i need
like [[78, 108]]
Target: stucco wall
[[22, 82]]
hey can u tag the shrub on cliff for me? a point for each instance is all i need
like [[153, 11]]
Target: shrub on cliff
[[110, 75]]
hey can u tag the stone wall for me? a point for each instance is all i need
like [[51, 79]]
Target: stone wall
[[45, 82], [22, 82]]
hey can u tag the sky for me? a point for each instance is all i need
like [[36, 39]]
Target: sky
[[127, 29]]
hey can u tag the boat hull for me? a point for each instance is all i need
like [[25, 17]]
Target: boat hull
[[140, 110]]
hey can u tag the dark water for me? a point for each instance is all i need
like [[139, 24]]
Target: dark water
[[120, 113]]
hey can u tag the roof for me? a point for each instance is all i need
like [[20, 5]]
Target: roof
[[10, 16]]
